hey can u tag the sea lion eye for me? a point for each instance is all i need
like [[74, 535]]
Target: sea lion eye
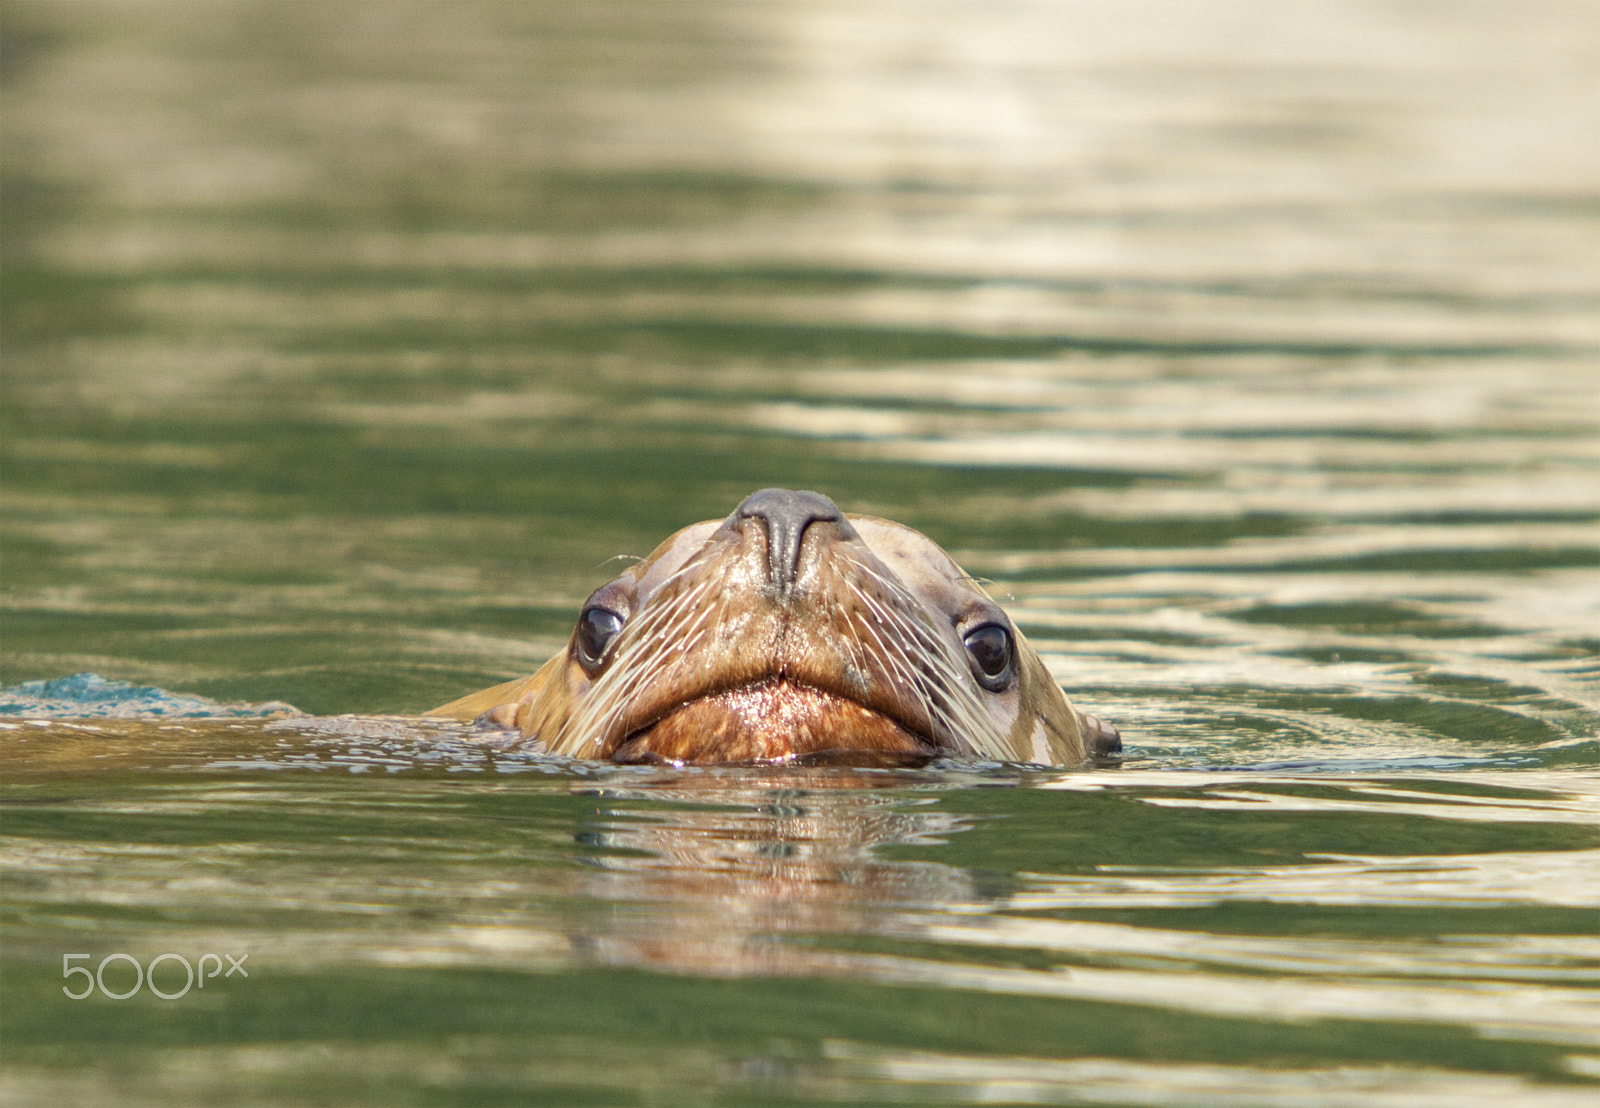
[[991, 650], [597, 630]]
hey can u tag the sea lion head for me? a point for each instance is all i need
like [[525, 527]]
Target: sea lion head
[[792, 631]]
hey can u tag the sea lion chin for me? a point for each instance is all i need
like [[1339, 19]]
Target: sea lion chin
[[792, 632]]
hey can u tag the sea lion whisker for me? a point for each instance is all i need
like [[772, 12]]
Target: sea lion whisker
[[610, 700], [937, 648], [860, 658], [656, 617], [910, 677], [887, 653], [689, 601], [887, 617], [897, 619], [963, 712], [662, 626], [671, 623], [609, 705], [986, 583]]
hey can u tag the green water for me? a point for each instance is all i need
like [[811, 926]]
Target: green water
[[1250, 353]]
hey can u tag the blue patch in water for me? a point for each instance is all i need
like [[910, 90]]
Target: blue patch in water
[[88, 695]]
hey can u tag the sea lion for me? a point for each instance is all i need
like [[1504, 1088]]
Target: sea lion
[[791, 631]]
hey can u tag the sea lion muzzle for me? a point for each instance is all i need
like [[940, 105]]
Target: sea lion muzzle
[[792, 632]]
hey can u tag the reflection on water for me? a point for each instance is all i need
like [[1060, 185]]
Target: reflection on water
[[1249, 352], [1425, 936]]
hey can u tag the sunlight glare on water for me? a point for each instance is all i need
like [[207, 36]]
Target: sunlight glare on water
[[1247, 353]]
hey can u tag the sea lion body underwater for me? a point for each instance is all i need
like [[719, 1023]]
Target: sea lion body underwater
[[788, 632]]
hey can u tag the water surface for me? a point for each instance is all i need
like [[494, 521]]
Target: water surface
[[1250, 354]]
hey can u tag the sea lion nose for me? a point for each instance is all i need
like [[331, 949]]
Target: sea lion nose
[[786, 514]]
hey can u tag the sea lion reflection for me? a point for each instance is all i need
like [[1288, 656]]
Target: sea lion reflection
[[730, 868]]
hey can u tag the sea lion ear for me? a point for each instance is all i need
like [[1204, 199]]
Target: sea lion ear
[[501, 718], [1100, 739]]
